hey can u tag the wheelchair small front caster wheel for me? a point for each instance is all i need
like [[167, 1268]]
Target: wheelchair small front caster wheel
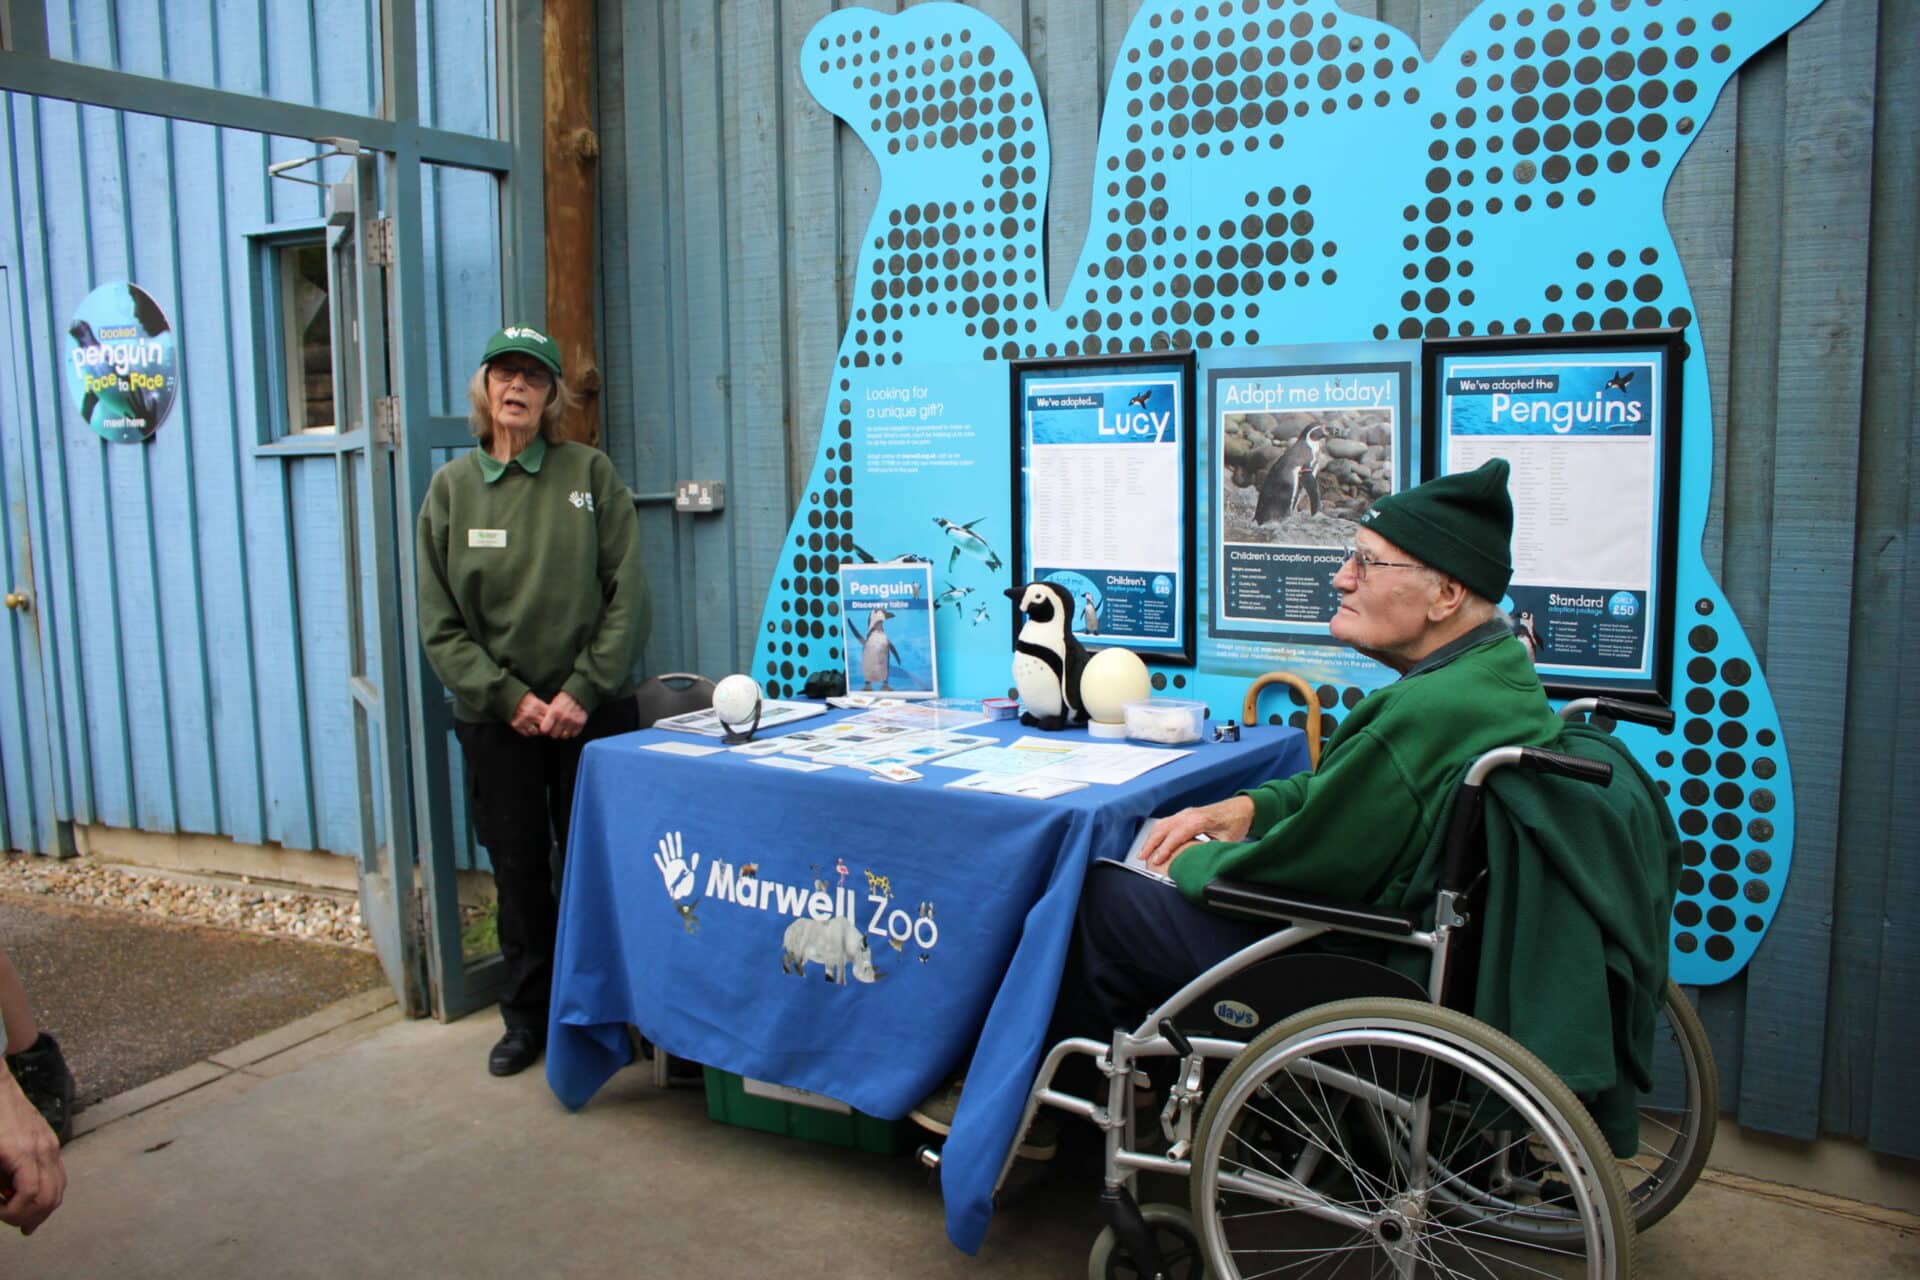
[[1173, 1234]]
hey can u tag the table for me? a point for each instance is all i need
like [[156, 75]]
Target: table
[[841, 933]]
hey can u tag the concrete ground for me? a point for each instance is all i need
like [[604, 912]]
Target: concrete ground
[[357, 1143], [132, 998]]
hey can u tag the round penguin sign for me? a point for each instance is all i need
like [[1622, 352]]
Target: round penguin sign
[[122, 363]]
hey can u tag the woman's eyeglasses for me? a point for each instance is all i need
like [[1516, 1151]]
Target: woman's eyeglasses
[[1362, 562], [537, 376]]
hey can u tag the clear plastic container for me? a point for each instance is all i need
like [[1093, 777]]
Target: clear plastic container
[[1166, 721]]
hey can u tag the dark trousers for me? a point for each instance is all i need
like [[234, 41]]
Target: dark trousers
[[520, 792], [1136, 941]]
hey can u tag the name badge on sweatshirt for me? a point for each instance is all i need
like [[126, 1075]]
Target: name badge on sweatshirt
[[486, 537]]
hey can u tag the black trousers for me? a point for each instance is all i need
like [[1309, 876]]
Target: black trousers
[[520, 793], [1135, 942]]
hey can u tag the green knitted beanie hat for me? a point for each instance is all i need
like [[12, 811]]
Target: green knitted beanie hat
[[1460, 524]]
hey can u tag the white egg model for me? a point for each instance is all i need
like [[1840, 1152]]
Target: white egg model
[[736, 701], [1113, 678]]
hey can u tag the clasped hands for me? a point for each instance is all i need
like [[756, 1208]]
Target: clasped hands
[[1229, 819], [561, 718]]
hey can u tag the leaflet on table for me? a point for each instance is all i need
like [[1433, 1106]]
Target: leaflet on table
[[1108, 763], [937, 713], [1584, 435], [1033, 786], [887, 610], [683, 749], [772, 714]]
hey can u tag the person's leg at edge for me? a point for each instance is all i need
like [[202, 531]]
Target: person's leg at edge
[[33, 1056]]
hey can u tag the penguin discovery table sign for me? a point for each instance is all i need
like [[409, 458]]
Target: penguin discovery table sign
[[887, 611]]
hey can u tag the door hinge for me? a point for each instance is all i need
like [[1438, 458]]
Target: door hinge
[[380, 242], [386, 420]]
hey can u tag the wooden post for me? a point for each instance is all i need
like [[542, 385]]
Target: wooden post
[[571, 168]]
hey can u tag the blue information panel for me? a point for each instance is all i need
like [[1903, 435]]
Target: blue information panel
[[1590, 428], [1104, 493]]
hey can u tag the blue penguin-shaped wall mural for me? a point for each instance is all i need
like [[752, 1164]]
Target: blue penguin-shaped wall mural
[[1274, 173]]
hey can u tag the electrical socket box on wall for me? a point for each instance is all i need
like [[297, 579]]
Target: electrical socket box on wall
[[700, 497]]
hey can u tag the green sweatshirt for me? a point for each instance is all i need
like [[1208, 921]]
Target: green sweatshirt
[[1356, 828], [530, 579]]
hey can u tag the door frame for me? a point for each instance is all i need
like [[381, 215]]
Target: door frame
[[412, 717]]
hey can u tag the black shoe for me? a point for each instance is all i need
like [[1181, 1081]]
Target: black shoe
[[42, 1072], [516, 1051]]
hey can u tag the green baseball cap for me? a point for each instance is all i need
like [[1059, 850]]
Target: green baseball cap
[[527, 341]]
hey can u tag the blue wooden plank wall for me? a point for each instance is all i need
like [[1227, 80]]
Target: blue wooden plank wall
[[191, 590], [730, 214]]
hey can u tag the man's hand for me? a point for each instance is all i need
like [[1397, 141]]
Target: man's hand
[[565, 718], [529, 716], [32, 1179], [1230, 819], [675, 871]]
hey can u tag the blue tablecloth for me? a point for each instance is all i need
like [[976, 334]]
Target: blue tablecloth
[[837, 932]]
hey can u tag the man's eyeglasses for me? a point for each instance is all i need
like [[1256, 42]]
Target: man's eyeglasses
[[1362, 562], [537, 376]]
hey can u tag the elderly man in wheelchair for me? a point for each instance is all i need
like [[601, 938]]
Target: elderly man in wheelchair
[[1326, 988]]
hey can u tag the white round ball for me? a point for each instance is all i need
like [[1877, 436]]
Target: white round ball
[[735, 697], [1112, 679]]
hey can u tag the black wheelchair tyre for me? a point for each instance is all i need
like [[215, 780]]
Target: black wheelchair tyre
[[1354, 1120], [1172, 1229], [1674, 1144]]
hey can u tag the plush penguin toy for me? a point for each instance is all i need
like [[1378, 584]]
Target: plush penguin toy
[[1047, 657]]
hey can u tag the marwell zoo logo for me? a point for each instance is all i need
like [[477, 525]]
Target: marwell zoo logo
[[825, 928]]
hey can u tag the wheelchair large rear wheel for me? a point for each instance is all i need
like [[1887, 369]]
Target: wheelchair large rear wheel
[[1677, 1121], [1337, 1141], [1518, 1195]]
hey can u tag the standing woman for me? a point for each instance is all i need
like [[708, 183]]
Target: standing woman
[[533, 609]]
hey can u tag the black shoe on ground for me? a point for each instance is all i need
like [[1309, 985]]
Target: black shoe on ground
[[42, 1072], [515, 1052]]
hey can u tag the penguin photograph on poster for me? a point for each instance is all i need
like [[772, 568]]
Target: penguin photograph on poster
[[1301, 478]]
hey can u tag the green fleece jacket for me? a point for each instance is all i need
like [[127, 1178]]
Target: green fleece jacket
[[1573, 928], [530, 579], [1357, 827]]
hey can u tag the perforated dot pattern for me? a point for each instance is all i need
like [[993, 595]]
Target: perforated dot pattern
[[1279, 172]]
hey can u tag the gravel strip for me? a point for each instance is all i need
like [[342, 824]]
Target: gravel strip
[[250, 908]]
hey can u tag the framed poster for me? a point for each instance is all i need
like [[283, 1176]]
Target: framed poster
[[1590, 424], [887, 612], [1103, 490], [1303, 442]]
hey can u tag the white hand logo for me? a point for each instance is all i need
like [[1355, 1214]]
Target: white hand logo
[[675, 871]]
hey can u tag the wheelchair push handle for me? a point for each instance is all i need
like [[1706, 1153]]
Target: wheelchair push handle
[[1579, 768], [1657, 717]]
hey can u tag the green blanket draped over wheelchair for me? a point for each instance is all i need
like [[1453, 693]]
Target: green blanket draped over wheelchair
[[1574, 923]]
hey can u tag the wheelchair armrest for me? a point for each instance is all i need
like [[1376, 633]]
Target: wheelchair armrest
[[1257, 900]]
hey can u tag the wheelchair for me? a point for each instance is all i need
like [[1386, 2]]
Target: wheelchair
[[1377, 1131]]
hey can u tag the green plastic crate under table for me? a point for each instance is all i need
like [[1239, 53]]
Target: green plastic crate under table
[[773, 1108]]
